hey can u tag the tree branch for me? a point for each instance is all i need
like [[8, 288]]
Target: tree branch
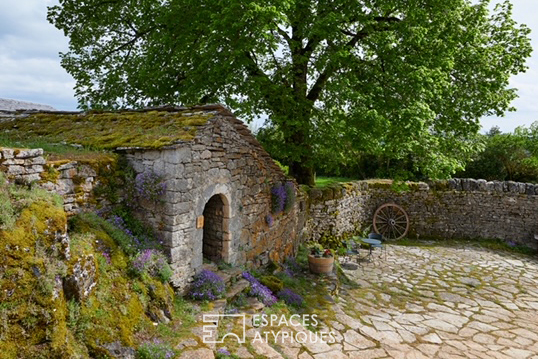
[[315, 91]]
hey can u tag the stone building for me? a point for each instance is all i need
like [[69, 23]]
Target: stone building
[[217, 178], [218, 195]]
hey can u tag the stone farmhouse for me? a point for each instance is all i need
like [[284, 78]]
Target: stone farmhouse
[[217, 179]]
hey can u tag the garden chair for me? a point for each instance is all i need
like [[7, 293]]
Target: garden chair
[[351, 250], [381, 246]]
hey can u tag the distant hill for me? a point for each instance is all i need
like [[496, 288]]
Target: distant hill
[[13, 105]]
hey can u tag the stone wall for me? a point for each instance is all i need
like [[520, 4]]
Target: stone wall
[[73, 180], [224, 159], [458, 208]]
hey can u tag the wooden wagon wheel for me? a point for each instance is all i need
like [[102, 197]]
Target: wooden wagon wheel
[[391, 221]]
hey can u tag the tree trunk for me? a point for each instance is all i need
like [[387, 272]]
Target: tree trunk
[[303, 174]]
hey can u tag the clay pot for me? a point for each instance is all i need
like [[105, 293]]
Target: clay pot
[[320, 265]]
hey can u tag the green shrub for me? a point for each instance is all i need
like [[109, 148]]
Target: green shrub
[[272, 282]]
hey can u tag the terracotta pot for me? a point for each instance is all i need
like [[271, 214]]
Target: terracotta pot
[[320, 265]]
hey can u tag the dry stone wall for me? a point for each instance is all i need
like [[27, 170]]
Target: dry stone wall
[[458, 208], [73, 180]]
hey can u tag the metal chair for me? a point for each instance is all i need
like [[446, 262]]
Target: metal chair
[[351, 249], [381, 246]]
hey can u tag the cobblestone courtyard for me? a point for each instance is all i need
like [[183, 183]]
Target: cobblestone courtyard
[[426, 302]]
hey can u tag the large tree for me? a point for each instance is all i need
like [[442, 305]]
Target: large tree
[[399, 77]]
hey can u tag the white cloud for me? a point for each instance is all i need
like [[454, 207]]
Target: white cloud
[[29, 56]]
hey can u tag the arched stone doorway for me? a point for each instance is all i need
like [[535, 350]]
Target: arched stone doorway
[[216, 237]]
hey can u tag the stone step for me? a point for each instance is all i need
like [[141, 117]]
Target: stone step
[[237, 288]]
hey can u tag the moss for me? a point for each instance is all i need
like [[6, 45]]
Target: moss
[[32, 308], [50, 174], [35, 319], [272, 282], [153, 129]]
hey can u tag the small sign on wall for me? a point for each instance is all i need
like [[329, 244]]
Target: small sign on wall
[[200, 222]]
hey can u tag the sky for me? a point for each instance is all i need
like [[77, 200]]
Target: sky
[[30, 64]]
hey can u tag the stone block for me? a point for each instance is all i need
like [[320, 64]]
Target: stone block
[[206, 154], [34, 169], [80, 284], [13, 161], [178, 185], [152, 155], [7, 153], [512, 186], [86, 171], [69, 172], [29, 178], [29, 153], [481, 185], [35, 161], [16, 170], [67, 166], [176, 170]]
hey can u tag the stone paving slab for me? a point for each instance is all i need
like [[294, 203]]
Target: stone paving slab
[[428, 302]]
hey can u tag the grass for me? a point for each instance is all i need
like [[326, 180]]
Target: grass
[[13, 199], [325, 181], [54, 151]]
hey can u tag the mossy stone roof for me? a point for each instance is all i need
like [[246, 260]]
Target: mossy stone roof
[[152, 128]]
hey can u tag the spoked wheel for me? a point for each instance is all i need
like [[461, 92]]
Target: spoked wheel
[[391, 221]]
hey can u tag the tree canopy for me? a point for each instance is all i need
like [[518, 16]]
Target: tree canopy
[[507, 156], [397, 77]]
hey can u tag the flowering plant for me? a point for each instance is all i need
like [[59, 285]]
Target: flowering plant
[[149, 185], [290, 196], [154, 263], [207, 285], [155, 350], [318, 251], [290, 297], [282, 197], [260, 291], [291, 267]]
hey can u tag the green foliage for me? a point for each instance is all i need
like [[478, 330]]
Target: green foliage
[[507, 156], [155, 350], [322, 181], [285, 169], [330, 241], [13, 199], [399, 78], [272, 282], [86, 222]]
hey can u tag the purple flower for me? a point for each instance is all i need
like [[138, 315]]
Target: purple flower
[[290, 297], [291, 267], [107, 256], [260, 291], [149, 185], [289, 187], [155, 349], [207, 285], [278, 198], [224, 352], [154, 263]]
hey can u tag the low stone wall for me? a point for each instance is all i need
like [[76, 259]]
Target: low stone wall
[[73, 180], [458, 208]]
